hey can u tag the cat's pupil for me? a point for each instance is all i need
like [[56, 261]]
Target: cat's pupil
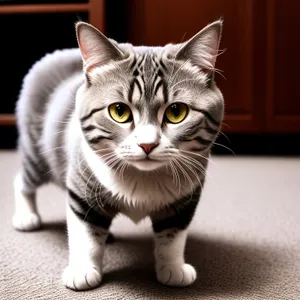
[[175, 110], [120, 110]]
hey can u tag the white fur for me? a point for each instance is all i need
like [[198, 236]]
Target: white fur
[[85, 255], [26, 217], [171, 268], [147, 134], [151, 189]]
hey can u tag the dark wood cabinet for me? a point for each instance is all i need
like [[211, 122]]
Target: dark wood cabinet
[[262, 42], [260, 64], [283, 89], [25, 42]]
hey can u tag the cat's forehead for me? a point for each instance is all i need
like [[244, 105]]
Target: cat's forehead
[[147, 78]]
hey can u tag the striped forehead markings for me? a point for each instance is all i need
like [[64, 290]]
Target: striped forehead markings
[[148, 79]]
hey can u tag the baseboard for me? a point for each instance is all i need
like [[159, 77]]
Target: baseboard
[[9, 136], [258, 144]]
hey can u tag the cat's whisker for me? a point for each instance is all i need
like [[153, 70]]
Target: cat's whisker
[[201, 156], [199, 167], [61, 131], [122, 169], [177, 177], [102, 149], [226, 125], [227, 138], [118, 167], [111, 163], [196, 167], [185, 174], [204, 171], [108, 159], [225, 148], [50, 150], [96, 194], [173, 176]]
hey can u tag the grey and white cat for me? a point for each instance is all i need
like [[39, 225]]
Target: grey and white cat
[[130, 133]]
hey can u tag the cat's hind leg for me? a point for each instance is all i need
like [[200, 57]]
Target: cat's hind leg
[[26, 216]]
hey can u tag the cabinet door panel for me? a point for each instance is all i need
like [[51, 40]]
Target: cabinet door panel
[[283, 98], [155, 22]]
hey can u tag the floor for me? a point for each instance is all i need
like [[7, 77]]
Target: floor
[[244, 240]]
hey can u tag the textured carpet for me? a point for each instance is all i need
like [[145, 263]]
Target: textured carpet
[[244, 241]]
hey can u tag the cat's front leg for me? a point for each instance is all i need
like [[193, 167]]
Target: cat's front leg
[[170, 233], [87, 234]]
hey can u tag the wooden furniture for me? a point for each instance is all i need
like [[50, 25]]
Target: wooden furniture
[[94, 9], [261, 61], [283, 64]]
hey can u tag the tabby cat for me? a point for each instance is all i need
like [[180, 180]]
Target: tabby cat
[[130, 132]]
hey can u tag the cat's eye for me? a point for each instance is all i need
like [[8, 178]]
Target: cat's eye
[[120, 112], [176, 113]]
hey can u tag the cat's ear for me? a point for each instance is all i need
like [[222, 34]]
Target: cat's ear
[[96, 49], [202, 49]]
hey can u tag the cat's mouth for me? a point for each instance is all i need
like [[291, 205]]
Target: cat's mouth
[[147, 163]]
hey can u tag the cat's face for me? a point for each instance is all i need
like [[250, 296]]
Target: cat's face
[[149, 107]]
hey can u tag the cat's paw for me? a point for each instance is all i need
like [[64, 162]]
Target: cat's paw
[[176, 275], [80, 279], [26, 221]]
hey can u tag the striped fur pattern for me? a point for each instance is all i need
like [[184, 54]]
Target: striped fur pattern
[[68, 137]]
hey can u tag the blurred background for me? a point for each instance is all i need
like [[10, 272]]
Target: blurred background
[[260, 64]]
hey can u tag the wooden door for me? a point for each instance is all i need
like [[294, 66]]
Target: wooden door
[[283, 65], [156, 22]]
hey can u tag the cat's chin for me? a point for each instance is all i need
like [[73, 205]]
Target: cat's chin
[[147, 164]]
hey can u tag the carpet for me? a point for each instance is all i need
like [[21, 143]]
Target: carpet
[[244, 240]]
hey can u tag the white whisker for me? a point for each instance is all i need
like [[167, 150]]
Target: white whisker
[[185, 174], [201, 156], [204, 171], [225, 148], [53, 149]]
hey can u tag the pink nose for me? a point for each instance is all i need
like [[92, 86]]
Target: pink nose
[[148, 147]]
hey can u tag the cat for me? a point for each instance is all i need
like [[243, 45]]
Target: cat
[[121, 129]]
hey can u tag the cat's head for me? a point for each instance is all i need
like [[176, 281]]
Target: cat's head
[[149, 106]]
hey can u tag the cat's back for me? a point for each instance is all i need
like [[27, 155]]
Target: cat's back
[[39, 112], [42, 80]]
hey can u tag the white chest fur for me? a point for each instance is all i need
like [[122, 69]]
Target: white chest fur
[[138, 193]]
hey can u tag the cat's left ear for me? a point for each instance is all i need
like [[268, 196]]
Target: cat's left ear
[[202, 49], [96, 49]]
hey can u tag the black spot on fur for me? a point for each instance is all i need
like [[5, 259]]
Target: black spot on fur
[[87, 213], [180, 214]]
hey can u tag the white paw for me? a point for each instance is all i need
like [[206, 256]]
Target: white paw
[[26, 222], [79, 279], [176, 275]]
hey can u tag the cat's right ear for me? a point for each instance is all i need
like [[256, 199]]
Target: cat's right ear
[[96, 49]]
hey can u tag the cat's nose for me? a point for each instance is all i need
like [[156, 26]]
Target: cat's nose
[[148, 147]]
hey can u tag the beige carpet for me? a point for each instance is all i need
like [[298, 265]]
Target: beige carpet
[[244, 241]]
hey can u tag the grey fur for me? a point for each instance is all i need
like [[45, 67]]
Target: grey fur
[[68, 137], [47, 106]]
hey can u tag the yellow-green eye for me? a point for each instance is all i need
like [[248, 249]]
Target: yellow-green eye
[[120, 112], [176, 113]]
